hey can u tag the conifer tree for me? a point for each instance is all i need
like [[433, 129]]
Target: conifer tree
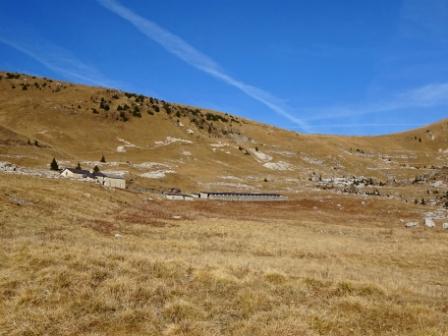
[[54, 165]]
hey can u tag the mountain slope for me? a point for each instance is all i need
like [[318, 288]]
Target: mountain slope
[[160, 144]]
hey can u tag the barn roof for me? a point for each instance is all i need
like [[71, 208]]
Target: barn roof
[[78, 171], [238, 193], [93, 175], [100, 174]]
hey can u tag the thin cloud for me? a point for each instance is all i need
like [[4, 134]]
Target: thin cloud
[[355, 125], [426, 96], [430, 95], [57, 59], [186, 52]]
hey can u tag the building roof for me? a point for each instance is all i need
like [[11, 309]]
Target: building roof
[[93, 175], [118, 177], [178, 194], [238, 193], [78, 171]]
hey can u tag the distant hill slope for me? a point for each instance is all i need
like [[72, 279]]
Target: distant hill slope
[[160, 144]]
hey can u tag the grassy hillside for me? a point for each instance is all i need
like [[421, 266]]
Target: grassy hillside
[[201, 149], [79, 259]]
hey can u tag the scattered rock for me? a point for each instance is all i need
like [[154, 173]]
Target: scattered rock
[[118, 236], [126, 144], [429, 223], [121, 149], [170, 140], [151, 165], [219, 145], [411, 224], [18, 201], [229, 177], [260, 156], [445, 226], [280, 165], [158, 174], [7, 167]]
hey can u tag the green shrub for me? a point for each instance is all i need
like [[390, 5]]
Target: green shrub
[[136, 112], [10, 75], [123, 116], [54, 165], [104, 105]]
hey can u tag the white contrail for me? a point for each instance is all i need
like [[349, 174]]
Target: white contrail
[[194, 57], [429, 95], [56, 59]]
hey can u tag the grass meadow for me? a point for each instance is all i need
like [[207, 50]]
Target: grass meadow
[[76, 259]]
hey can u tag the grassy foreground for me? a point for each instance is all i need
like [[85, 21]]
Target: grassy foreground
[[78, 260]]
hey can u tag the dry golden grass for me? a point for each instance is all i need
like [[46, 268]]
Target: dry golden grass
[[48, 114], [222, 269]]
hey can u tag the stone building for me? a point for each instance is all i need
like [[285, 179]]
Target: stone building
[[106, 180], [110, 181], [76, 173], [179, 197]]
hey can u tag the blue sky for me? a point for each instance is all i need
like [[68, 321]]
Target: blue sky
[[339, 67]]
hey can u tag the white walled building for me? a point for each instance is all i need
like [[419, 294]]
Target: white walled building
[[106, 180]]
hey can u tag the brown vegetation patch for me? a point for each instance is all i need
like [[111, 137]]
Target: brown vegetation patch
[[141, 218], [99, 225]]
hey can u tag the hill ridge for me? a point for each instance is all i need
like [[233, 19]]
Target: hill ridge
[[161, 144]]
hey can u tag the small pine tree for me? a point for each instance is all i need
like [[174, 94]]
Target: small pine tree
[[103, 159], [78, 166], [54, 165], [96, 169], [136, 112]]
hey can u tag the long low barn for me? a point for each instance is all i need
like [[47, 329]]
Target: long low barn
[[234, 196]]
